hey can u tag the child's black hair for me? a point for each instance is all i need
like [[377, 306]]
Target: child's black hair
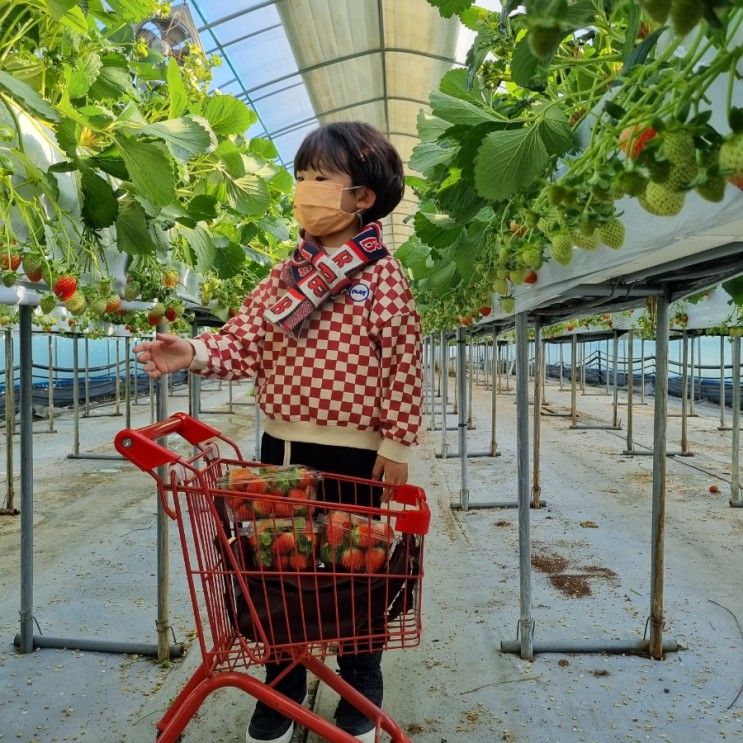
[[363, 152]]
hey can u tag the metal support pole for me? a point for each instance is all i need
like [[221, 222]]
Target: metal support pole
[[607, 365], [508, 371], [117, 389], [573, 381], [470, 373], [684, 394], [464, 493], [561, 363], [9, 507], [230, 406], [429, 382], [152, 401], [615, 418], [659, 480], [736, 501], [526, 623], [441, 370], [692, 378], [163, 623], [27, 482], [642, 371], [536, 488], [257, 430], [722, 426], [127, 384], [545, 364], [630, 391], [50, 382], [444, 395], [87, 380], [493, 397], [498, 362], [75, 397], [136, 385], [583, 368]]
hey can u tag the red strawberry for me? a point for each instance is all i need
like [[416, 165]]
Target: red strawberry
[[170, 314], [364, 536], [633, 139], [531, 277], [374, 559], [65, 286], [298, 494], [170, 278], [335, 534], [153, 319], [263, 507], [113, 303], [298, 562], [485, 310], [9, 259], [352, 559], [283, 510], [284, 543]]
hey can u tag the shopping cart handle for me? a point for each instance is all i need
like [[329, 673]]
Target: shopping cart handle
[[138, 445]]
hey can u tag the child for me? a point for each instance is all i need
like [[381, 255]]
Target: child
[[333, 339]]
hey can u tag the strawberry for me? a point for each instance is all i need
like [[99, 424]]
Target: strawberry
[[33, 264], [154, 320], [585, 238], [657, 9], [517, 229], [157, 309], [170, 314], [77, 303], [531, 277], [170, 278], [680, 176], [352, 559], [500, 286], [485, 310], [131, 290], [713, 189], [612, 233], [562, 248], [363, 536], [329, 554], [335, 533], [633, 139], [298, 562], [731, 158], [48, 303], [685, 14], [284, 543], [678, 147], [661, 201], [517, 275], [9, 259], [508, 305], [301, 495], [9, 278], [113, 303], [531, 256], [263, 507], [374, 559], [714, 489], [97, 304], [262, 537], [65, 286], [283, 510]]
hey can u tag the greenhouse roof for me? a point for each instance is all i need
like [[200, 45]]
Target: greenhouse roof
[[303, 62]]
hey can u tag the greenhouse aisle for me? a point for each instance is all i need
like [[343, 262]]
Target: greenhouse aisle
[[94, 577]]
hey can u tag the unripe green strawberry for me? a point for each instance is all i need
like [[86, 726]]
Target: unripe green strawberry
[[661, 201], [585, 239], [678, 147], [685, 14], [657, 9], [97, 304], [681, 176], [731, 156], [517, 275], [131, 291], [9, 278], [612, 233], [508, 305], [543, 41], [158, 309], [205, 294], [47, 303], [531, 256], [500, 286], [631, 182], [713, 189], [562, 248], [77, 303]]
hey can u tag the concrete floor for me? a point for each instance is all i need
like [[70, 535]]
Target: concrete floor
[[95, 564]]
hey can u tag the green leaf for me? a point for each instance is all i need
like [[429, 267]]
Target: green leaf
[[413, 254], [83, 75], [68, 136], [455, 83], [228, 115], [201, 244], [111, 162], [188, 136], [427, 155], [248, 195], [150, 169], [640, 53], [133, 10], [75, 21], [57, 8], [100, 206], [430, 128], [508, 162], [554, 129], [275, 226], [177, 95], [232, 158], [228, 260], [448, 8], [132, 235], [113, 82], [457, 111], [264, 148], [202, 207], [734, 288], [614, 110], [26, 97], [528, 71], [445, 277], [436, 230], [463, 255], [283, 181]]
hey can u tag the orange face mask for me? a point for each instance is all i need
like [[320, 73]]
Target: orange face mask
[[317, 207]]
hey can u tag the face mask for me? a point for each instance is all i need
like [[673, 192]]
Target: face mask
[[317, 207]]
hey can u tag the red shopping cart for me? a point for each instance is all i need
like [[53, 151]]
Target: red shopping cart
[[325, 565]]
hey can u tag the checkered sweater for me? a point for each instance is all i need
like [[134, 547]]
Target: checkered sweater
[[354, 376]]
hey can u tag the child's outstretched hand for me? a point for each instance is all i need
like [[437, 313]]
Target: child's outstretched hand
[[166, 354], [393, 473]]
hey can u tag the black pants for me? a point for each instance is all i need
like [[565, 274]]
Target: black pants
[[362, 671]]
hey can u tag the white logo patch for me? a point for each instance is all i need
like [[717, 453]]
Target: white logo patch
[[359, 292]]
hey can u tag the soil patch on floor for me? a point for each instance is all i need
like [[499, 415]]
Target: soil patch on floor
[[576, 586], [549, 564]]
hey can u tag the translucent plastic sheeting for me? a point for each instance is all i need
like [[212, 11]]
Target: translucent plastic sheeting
[[712, 311]]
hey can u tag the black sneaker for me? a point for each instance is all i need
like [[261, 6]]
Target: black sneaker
[[268, 725]]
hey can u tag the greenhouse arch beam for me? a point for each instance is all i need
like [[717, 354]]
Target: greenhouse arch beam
[[237, 14], [380, 17], [224, 45]]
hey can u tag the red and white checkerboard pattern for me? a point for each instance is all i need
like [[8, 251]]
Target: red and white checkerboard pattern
[[356, 365]]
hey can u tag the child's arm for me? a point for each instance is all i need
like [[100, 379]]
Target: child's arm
[[396, 326]]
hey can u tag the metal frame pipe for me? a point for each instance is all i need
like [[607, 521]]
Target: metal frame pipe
[[50, 382], [615, 388], [536, 488], [630, 391], [117, 386], [464, 493], [100, 646], [526, 623], [736, 498], [470, 373], [692, 378], [9, 505], [127, 383], [685, 396], [722, 426], [431, 374], [27, 480], [257, 430], [86, 382], [573, 382], [493, 397], [617, 647], [75, 397], [561, 366], [657, 546], [445, 395], [642, 371]]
